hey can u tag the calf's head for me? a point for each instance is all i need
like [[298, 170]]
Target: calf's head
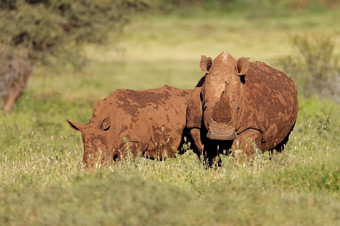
[[96, 139], [221, 75]]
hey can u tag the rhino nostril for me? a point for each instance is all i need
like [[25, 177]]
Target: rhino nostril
[[115, 157]]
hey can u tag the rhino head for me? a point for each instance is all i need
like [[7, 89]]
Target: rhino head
[[218, 95], [96, 140]]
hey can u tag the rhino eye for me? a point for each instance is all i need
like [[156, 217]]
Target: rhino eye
[[105, 125]]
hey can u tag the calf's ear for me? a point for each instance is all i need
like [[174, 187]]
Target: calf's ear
[[242, 65], [105, 124], [75, 126], [205, 64]]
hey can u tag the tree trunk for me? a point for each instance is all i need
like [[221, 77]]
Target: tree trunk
[[16, 90]]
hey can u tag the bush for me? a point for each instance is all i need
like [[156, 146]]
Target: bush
[[314, 66], [52, 31], [250, 8]]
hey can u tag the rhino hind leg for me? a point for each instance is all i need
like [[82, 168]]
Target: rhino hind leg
[[281, 146], [248, 141]]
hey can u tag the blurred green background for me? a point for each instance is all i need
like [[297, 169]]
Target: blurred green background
[[147, 44]]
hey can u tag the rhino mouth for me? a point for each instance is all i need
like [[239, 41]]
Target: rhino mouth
[[219, 131]]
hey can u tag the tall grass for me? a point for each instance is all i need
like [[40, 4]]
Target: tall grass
[[43, 182]]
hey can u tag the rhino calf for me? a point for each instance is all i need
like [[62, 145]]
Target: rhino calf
[[150, 122]]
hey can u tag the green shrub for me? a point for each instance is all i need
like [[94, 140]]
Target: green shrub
[[314, 66], [250, 8], [51, 32], [15, 70], [49, 28]]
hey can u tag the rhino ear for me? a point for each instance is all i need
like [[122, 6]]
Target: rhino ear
[[105, 124], [75, 126], [242, 65], [205, 64]]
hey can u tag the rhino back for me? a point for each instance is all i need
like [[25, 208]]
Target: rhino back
[[166, 97], [268, 103], [155, 115]]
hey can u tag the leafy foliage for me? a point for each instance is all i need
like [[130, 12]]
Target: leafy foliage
[[50, 32], [314, 65], [51, 29]]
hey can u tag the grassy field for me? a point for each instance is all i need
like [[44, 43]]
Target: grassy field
[[42, 181]]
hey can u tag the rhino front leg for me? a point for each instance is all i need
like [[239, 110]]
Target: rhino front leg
[[195, 134], [247, 141], [208, 152], [129, 148]]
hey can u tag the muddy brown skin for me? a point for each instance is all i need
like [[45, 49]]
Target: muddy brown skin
[[149, 122], [239, 104]]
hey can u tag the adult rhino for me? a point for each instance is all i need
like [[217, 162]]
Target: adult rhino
[[149, 122], [239, 104]]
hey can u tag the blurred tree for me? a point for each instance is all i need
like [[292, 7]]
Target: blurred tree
[[50, 31], [15, 69], [314, 65]]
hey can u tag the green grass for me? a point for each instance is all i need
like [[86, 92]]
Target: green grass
[[42, 181]]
